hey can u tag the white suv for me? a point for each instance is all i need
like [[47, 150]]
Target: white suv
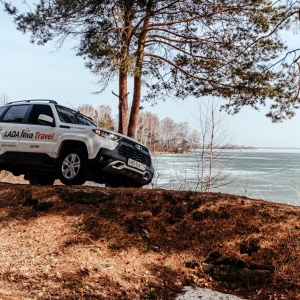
[[46, 141]]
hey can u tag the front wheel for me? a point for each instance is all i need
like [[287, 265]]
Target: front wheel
[[72, 169]]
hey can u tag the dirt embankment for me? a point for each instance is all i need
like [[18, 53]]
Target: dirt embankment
[[98, 243]]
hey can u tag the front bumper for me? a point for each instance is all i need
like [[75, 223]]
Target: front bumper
[[114, 163]]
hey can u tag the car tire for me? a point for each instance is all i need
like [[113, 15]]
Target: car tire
[[72, 167]]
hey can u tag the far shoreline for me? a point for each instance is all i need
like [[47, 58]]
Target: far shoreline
[[225, 148]]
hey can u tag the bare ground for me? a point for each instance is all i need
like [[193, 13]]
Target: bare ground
[[87, 242]]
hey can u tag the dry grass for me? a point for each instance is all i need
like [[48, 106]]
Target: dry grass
[[99, 243]]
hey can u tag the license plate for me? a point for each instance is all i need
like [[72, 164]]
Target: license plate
[[135, 164]]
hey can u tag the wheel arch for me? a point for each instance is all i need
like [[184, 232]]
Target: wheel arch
[[68, 144]]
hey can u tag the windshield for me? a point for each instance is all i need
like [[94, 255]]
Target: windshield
[[68, 115]]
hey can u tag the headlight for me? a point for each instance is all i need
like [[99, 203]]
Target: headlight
[[106, 135]]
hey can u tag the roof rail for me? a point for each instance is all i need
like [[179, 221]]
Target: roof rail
[[33, 100]]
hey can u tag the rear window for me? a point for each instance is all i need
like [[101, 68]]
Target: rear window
[[2, 109], [15, 114]]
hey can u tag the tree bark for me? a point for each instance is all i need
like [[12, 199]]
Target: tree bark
[[136, 99], [123, 71], [135, 108], [123, 102]]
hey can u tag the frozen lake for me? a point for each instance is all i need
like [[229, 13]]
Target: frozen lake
[[269, 174]]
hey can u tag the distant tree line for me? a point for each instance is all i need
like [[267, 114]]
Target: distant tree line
[[234, 147]]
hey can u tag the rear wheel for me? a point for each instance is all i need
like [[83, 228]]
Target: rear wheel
[[72, 167]]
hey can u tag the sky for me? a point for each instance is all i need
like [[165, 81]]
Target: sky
[[29, 71]]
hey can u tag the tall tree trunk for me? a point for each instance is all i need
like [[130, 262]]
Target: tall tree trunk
[[135, 108], [123, 102], [211, 146], [123, 71], [136, 99]]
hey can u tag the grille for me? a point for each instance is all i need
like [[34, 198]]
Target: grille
[[135, 154], [134, 143]]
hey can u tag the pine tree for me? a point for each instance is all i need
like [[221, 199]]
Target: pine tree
[[224, 48]]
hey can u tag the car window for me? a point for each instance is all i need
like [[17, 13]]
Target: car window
[[15, 114], [84, 120], [2, 109], [37, 110], [67, 115]]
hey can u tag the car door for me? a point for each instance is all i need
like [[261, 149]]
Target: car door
[[10, 132], [35, 146]]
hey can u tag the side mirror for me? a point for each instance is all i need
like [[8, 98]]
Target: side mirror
[[45, 120]]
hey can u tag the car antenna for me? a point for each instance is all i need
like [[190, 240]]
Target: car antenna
[[73, 106]]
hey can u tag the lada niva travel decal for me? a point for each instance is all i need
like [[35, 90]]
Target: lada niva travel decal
[[44, 136], [24, 134]]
